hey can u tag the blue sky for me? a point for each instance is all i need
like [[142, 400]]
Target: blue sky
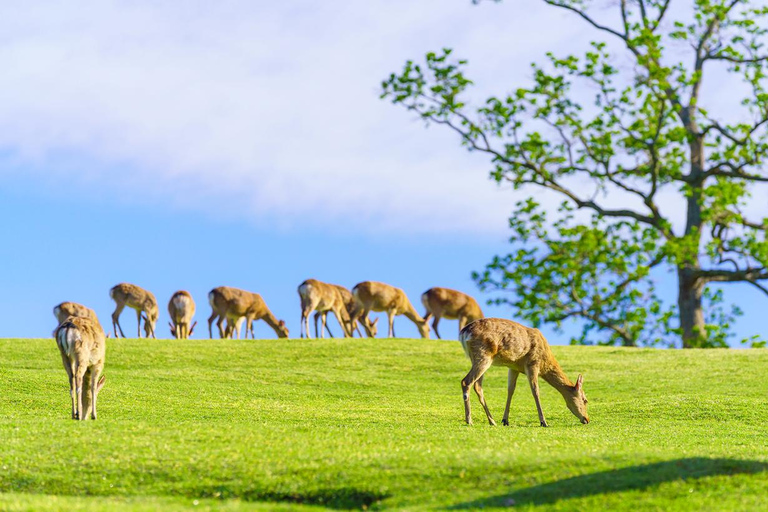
[[244, 144]]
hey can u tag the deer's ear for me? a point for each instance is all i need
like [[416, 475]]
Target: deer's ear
[[282, 323], [579, 382], [375, 322]]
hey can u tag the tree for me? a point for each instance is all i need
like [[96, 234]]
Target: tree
[[645, 143]]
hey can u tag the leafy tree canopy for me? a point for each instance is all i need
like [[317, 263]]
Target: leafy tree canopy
[[647, 146]]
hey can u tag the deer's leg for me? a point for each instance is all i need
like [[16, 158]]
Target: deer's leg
[[366, 321], [391, 319], [533, 379], [116, 320], [462, 323], [481, 397], [434, 326], [511, 383], [236, 325], [344, 329], [138, 319], [220, 325], [210, 324], [79, 373], [326, 327], [95, 373], [479, 367], [71, 379]]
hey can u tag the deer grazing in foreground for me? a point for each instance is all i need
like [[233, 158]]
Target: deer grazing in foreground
[[451, 304], [495, 341], [82, 345], [375, 296], [181, 308], [322, 297], [139, 299], [233, 304]]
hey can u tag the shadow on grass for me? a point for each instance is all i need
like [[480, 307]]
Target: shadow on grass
[[618, 480], [344, 498]]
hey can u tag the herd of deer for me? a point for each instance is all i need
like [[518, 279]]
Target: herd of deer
[[486, 341]]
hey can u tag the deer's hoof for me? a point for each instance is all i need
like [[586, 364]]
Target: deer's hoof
[[492, 423], [505, 423], [544, 424]]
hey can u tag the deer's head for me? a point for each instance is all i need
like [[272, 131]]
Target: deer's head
[[576, 401], [282, 330], [150, 320], [423, 329], [374, 328]]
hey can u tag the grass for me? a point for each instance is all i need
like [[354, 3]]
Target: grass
[[378, 424]]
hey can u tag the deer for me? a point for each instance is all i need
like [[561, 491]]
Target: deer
[[139, 299], [233, 304], [375, 296], [450, 304], [351, 305], [181, 308], [500, 342], [322, 297], [82, 345]]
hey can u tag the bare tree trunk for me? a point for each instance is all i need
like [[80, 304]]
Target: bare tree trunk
[[689, 295]]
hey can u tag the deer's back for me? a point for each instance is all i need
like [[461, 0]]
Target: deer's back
[[379, 296], [508, 343], [67, 309], [133, 296], [181, 305], [450, 303], [324, 294], [81, 338]]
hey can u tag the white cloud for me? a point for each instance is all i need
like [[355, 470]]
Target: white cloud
[[267, 110]]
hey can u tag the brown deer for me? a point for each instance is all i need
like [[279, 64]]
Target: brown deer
[[181, 307], [495, 341], [375, 296], [232, 304], [139, 299], [351, 305], [451, 304], [322, 297], [82, 345]]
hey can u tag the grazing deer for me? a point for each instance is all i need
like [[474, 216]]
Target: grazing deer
[[451, 304], [375, 296], [139, 299], [495, 341], [322, 297], [82, 345], [232, 304], [181, 307], [351, 305]]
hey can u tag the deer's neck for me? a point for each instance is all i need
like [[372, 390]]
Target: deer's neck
[[555, 376], [271, 320], [412, 315]]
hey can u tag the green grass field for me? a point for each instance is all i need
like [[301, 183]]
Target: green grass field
[[378, 424]]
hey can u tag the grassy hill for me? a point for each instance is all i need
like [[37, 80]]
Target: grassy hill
[[378, 424]]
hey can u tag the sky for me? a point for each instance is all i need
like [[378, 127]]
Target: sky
[[245, 144]]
